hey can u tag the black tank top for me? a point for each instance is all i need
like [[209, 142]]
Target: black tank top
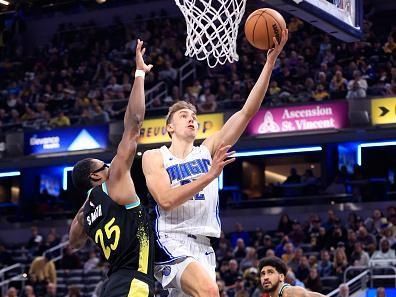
[[284, 286], [123, 233]]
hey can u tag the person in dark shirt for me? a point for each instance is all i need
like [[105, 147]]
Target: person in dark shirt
[[112, 215]]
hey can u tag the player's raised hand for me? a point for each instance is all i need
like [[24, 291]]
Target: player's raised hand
[[273, 53], [220, 159], [140, 64]]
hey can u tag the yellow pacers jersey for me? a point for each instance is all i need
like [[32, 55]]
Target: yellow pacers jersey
[[123, 233]]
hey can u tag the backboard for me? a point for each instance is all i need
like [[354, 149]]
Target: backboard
[[340, 18]]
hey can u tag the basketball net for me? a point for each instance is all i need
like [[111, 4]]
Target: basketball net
[[212, 29]]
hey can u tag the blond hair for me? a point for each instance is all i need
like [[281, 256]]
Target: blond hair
[[179, 105]]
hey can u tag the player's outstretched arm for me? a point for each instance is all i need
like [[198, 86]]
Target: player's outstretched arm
[[77, 235], [159, 185], [134, 114], [236, 124]]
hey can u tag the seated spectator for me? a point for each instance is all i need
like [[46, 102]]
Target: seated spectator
[[308, 178], [337, 186], [284, 225], [73, 291], [250, 259], [340, 262], [42, 271], [332, 220], [350, 243], [390, 45], [338, 86], [359, 257], [238, 290], [12, 292], [222, 248], [313, 227], [320, 93], [28, 291], [51, 290], [250, 277], [368, 240], [240, 249], [69, 260], [292, 280], [267, 245], [303, 268], [209, 105], [288, 252], [336, 237], [50, 242], [92, 262], [239, 233], [86, 118], [387, 232], [35, 241], [274, 89], [313, 281], [319, 241], [374, 223], [293, 178], [230, 276], [61, 120], [270, 253], [296, 235], [168, 74], [280, 248], [325, 267], [100, 116], [357, 87], [295, 261], [385, 253]]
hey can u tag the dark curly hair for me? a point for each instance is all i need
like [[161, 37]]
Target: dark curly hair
[[275, 262], [80, 174]]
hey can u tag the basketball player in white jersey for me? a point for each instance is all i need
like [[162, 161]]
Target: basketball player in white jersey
[[272, 278], [183, 181]]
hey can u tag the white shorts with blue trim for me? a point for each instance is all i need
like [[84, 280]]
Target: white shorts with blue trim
[[182, 249]]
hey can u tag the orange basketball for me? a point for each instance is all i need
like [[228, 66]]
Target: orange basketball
[[262, 25]]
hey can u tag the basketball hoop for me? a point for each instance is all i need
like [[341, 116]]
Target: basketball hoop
[[212, 29]]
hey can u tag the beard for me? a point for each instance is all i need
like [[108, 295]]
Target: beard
[[270, 288]]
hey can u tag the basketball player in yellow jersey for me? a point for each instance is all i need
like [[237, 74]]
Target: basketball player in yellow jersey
[[112, 215], [182, 181], [272, 278]]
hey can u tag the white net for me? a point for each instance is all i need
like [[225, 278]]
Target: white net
[[212, 29]]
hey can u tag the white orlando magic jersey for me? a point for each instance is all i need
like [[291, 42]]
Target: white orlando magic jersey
[[200, 214]]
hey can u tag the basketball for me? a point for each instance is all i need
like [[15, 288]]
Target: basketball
[[262, 25]]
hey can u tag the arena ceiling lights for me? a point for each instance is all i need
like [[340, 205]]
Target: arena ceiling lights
[[11, 173]]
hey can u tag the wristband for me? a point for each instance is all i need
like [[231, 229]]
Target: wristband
[[140, 73]]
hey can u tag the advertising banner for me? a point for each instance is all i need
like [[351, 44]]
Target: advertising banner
[[154, 130], [299, 118], [383, 111], [66, 140]]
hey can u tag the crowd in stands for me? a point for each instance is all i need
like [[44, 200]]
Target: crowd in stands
[[317, 251], [84, 75]]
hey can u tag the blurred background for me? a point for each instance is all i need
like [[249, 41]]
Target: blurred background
[[314, 180]]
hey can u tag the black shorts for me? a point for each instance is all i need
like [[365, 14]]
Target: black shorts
[[128, 283]]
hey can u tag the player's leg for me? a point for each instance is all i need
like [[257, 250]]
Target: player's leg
[[197, 282]]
